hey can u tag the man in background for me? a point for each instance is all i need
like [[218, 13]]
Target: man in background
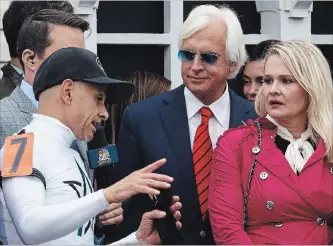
[[18, 11], [41, 34]]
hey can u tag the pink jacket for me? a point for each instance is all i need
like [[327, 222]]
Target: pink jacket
[[283, 208]]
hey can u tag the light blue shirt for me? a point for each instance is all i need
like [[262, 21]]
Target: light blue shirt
[[28, 91], [18, 70]]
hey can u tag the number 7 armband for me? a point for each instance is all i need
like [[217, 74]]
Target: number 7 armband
[[17, 155]]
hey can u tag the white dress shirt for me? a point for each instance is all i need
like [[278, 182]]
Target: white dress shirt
[[217, 124]]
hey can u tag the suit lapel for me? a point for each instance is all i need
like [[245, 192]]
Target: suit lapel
[[274, 161], [11, 74], [174, 118], [238, 110], [280, 166], [24, 103]]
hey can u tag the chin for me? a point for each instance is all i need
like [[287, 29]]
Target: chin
[[77, 137], [88, 138], [277, 114], [198, 88], [80, 137]]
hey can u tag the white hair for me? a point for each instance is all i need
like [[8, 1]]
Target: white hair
[[201, 16]]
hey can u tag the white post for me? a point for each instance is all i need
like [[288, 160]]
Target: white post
[[4, 51], [87, 10], [286, 19], [173, 20]]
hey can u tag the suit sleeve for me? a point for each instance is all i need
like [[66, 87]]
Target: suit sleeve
[[3, 134], [128, 145], [130, 159], [226, 201], [127, 148]]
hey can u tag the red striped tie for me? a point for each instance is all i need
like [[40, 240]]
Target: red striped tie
[[202, 159]]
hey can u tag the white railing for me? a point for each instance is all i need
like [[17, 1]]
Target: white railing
[[280, 19]]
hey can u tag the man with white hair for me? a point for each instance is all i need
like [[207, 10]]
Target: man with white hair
[[183, 125]]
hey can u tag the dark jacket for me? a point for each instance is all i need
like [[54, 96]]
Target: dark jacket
[[158, 127], [10, 79]]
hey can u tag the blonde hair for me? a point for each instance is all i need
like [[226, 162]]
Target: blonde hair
[[311, 70]]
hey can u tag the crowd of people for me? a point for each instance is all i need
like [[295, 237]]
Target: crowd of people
[[246, 166]]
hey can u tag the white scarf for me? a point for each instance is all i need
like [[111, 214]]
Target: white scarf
[[298, 151]]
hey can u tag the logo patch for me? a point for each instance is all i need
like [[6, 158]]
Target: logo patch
[[104, 156], [100, 64]]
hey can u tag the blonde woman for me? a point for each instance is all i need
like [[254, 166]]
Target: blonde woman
[[272, 179]]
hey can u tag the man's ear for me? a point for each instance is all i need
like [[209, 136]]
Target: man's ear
[[67, 88], [232, 67], [28, 58]]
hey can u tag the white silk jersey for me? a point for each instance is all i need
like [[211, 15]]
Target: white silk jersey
[[56, 203]]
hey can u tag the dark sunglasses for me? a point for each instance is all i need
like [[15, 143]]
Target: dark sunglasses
[[206, 57]]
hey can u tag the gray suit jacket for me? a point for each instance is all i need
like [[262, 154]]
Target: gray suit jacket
[[16, 112], [10, 79]]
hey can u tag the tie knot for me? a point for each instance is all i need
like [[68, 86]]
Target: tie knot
[[206, 114]]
